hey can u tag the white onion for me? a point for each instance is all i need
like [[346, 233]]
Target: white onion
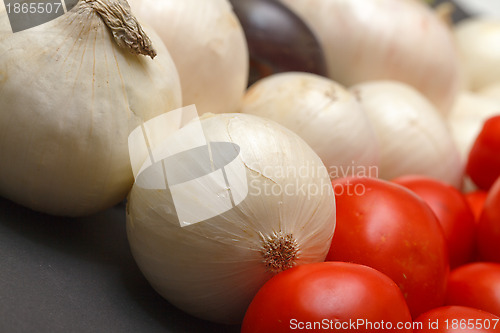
[[401, 40], [413, 135], [69, 97], [208, 46], [466, 121], [478, 41], [212, 269], [325, 114]]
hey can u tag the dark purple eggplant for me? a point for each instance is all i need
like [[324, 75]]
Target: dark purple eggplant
[[278, 40]]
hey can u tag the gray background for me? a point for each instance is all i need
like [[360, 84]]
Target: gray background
[[78, 275], [20, 21]]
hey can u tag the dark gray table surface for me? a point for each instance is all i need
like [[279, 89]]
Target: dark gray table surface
[[78, 275]]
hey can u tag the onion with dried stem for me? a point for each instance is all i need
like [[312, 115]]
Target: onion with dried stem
[[71, 90]]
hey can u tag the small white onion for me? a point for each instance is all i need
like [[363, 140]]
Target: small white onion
[[212, 269], [325, 114], [208, 46], [413, 135], [69, 97], [401, 40], [478, 40]]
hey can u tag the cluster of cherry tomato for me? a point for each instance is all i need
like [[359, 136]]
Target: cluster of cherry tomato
[[412, 255]]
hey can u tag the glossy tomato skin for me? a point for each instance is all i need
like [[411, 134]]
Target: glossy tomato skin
[[334, 295], [483, 165], [453, 212], [475, 285], [488, 227], [476, 200], [456, 319], [386, 226]]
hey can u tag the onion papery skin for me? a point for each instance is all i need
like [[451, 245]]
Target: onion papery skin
[[69, 97], [212, 269], [491, 91], [323, 113], [414, 137], [208, 46], [402, 40]]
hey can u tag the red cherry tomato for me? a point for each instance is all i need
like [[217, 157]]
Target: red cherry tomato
[[386, 226], [456, 319], [452, 211], [476, 200], [325, 297], [488, 227], [475, 285], [483, 165]]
